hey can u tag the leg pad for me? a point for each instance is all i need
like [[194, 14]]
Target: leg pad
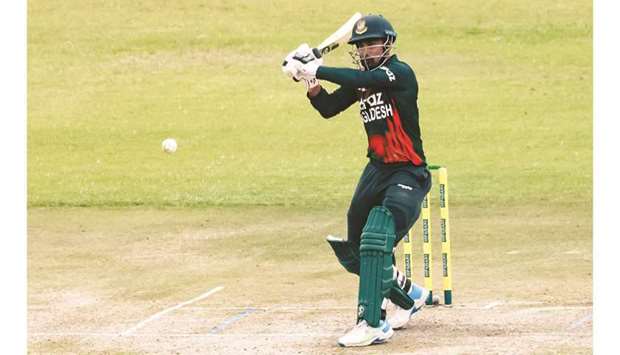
[[376, 269]]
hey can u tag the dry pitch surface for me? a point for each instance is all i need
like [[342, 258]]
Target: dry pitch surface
[[262, 280]]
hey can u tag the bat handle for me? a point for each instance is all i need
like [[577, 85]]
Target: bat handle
[[317, 52]]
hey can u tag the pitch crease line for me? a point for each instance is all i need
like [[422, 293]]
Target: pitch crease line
[[492, 304], [184, 335], [230, 320], [168, 310]]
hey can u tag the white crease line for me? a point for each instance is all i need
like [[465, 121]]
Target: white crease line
[[230, 320], [553, 309], [168, 310], [310, 308], [562, 308], [522, 307], [523, 303], [216, 308], [73, 334], [183, 335], [272, 308], [158, 256], [492, 304]]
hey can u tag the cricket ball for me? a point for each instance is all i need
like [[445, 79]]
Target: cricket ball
[[169, 145]]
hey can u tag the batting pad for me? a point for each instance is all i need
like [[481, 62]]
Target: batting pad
[[376, 269]]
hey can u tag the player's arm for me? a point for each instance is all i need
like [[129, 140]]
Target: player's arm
[[382, 77], [329, 105]]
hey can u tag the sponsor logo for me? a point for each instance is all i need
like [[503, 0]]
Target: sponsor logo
[[373, 108], [405, 187], [372, 100], [360, 311], [408, 266], [377, 113], [442, 195], [389, 73], [443, 230], [329, 48]]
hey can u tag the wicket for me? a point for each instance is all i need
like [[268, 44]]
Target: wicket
[[427, 240]]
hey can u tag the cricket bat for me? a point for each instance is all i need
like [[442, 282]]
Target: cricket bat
[[342, 35]]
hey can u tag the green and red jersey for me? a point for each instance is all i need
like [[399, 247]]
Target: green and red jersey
[[387, 98]]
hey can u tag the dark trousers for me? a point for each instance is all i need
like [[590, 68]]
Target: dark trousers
[[399, 188]]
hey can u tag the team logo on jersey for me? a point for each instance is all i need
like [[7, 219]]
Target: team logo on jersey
[[360, 27]]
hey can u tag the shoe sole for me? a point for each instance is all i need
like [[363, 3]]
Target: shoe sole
[[377, 340], [384, 339]]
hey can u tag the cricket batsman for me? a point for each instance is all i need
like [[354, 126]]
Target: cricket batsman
[[387, 200]]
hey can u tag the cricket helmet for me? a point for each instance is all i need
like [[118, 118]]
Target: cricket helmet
[[372, 27]]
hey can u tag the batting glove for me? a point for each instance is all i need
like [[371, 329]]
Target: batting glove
[[306, 56], [302, 63], [291, 67], [304, 53], [308, 70]]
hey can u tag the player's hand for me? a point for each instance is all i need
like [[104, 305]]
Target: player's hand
[[308, 70], [311, 63], [291, 67], [301, 63], [292, 70], [311, 83], [304, 54]]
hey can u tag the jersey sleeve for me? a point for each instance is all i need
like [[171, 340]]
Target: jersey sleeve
[[382, 77], [330, 105]]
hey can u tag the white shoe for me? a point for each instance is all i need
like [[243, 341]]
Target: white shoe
[[401, 316], [363, 334]]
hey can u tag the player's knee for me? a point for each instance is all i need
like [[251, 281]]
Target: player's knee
[[405, 214], [402, 215], [355, 213]]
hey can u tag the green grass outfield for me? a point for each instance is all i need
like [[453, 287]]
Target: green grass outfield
[[505, 102]]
